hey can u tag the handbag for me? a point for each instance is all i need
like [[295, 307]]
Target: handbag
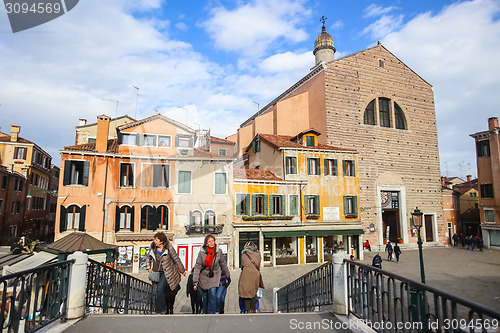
[[261, 281], [259, 293], [154, 276]]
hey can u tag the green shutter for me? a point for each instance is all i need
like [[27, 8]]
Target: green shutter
[[254, 204], [317, 205], [345, 204], [191, 142], [343, 167], [326, 167], [176, 141], [294, 205], [294, 165], [355, 204], [247, 204], [308, 166], [306, 204], [353, 169], [271, 205], [266, 211], [287, 163], [310, 141], [318, 166], [283, 205], [335, 169], [254, 146]]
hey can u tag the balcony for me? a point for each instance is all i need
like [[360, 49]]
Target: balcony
[[204, 229]]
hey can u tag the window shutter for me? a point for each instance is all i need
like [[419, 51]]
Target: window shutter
[[266, 199], [306, 203], [67, 172], [335, 169], [316, 205], [254, 146], [355, 204], [318, 167], [293, 205], [353, 169], [62, 219], [239, 200], [308, 166], [144, 217], [271, 205], [85, 179], [191, 221], [287, 163], [191, 142], [157, 174], [294, 165], [254, 204], [326, 167], [176, 141], [283, 205], [247, 204], [151, 216], [166, 169], [83, 210], [117, 219], [132, 219], [343, 167], [345, 205]]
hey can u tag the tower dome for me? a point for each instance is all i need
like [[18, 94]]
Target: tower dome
[[323, 47]]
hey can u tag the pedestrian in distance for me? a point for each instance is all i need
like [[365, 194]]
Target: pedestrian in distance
[[163, 258], [462, 240], [397, 251], [207, 271], [368, 246], [480, 244], [196, 302], [388, 249], [249, 282], [455, 239], [377, 261]]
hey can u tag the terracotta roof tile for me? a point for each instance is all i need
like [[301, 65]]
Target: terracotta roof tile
[[254, 174], [6, 138], [215, 139], [112, 146], [285, 141]]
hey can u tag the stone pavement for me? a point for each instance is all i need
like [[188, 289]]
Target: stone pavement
[[471, 275], [273, 277]]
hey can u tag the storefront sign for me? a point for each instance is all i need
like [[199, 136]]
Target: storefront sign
[[331, 213]]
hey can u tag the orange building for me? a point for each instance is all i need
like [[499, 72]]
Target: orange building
[[124, 190]]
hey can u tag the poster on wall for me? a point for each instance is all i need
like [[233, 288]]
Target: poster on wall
[[331, 213], [125, 256]]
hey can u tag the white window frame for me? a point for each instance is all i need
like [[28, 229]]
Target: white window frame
[[130, 135], [193, 221], [127, 221], [169, 141], [183, 142]]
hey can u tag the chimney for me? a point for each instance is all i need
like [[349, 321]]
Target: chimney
[[469, 178], [14, 132], [101, 143], [83, 122], [492, 123]]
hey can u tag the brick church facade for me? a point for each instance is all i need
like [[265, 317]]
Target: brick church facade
[[374, 103]]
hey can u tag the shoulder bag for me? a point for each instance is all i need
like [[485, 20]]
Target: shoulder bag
[[261, 282]]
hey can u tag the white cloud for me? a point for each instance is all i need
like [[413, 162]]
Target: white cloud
[[182, 26], [251, 28], [288, 61], [457, 51], [383, 26], [374, 10]]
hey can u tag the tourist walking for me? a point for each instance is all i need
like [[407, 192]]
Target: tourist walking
[[163, 258], [388, 249], [397, 251], [207, 272], [377, 261], [248, 285]]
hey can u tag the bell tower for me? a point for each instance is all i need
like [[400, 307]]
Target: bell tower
[[323, 45]]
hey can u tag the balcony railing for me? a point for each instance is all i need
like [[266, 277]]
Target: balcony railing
[[204, 229], [32, 299]]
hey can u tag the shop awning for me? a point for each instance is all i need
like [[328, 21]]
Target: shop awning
[[328, 232]]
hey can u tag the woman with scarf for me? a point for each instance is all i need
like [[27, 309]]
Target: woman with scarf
[[248, 285], [164, 259], [207, 272]]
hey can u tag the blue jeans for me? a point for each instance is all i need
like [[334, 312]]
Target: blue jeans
[[209, 298], [221, 298], [161, 304]]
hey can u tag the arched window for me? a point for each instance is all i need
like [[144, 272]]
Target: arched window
[[384, 112], [162, 217], [124, 218], [196, 217], [210, 218], [399, 117], [72, 218], [369, 118], [148, 218]]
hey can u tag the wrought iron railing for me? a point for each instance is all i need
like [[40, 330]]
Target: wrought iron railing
[[111, 291], [388, 302], [32, 299], [309, 292]]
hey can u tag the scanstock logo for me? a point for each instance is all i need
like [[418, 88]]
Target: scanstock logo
[[26, 14]]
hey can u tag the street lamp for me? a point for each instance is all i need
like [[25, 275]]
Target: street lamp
[[417, 222]]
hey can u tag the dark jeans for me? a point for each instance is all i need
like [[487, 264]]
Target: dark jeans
[[165, 297], [209, 299], [221, 298]]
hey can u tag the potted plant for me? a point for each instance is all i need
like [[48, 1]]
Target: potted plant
[[400, 240], [385, 240]]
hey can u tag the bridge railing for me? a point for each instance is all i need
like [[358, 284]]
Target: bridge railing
[[111, 291], [309, 292], [32, 299], [387, 302]]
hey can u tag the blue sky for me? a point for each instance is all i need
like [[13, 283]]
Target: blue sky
[[210, 61]]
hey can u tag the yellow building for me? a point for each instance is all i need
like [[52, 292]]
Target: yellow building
[[297, 199]]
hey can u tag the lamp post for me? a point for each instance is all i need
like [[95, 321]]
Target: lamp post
[[417, 222]]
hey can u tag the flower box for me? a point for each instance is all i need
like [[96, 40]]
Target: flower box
[[204, 229], [266, 217], [351, 216], [312, 216]]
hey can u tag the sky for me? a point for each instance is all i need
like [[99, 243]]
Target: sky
[[212, 64]]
